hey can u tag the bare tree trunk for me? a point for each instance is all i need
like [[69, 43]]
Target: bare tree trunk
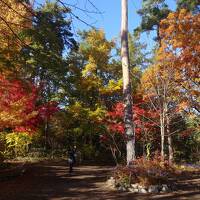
[[162, 133], [171, 154], [128, 114], [169, 137]]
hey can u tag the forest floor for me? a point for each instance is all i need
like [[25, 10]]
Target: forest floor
[[51, 181]]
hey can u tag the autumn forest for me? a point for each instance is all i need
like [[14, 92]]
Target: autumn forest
[[74, 96]]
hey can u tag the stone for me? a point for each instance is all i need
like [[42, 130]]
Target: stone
[[164, 188], [133, 190], [136, 190], [141, 187], [135, 186], [121, 188], [143, 191], [153, 189]]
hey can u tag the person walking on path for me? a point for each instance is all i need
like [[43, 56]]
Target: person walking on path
[[71, 158]]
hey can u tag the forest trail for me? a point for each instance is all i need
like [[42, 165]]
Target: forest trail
[[51, 181]]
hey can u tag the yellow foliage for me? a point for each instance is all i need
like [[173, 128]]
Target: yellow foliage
[[14, 18], [113, 86], [97, 114], [81, 112], [89, 70], [96, 50]]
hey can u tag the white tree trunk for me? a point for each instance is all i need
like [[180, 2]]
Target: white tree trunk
[[162, 133], [169, 137], [128, 114]]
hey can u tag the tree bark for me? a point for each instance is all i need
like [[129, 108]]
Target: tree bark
[[171, 154], [169, 138], [128, 114], [162, 132]]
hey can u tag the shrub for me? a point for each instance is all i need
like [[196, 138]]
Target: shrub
[[123, 176], [17, 143], [151, 172], [143, 171]]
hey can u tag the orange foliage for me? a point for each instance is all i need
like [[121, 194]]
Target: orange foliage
[[180, 48]]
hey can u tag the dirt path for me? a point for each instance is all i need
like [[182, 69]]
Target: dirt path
[[51, 181]]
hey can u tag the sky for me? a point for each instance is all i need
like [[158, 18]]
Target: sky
[[110, 18]]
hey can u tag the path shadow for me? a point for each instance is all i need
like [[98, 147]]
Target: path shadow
[[51, 181]]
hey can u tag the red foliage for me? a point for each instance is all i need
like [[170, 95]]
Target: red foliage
[[145, 172], [46, 110], [18, 106], [143, 118]]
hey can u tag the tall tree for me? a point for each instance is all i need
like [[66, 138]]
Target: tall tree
[[159, 86], [152, 12], [175, 73], [128, 113], [50, 37], [95, 82], [180, 46]]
